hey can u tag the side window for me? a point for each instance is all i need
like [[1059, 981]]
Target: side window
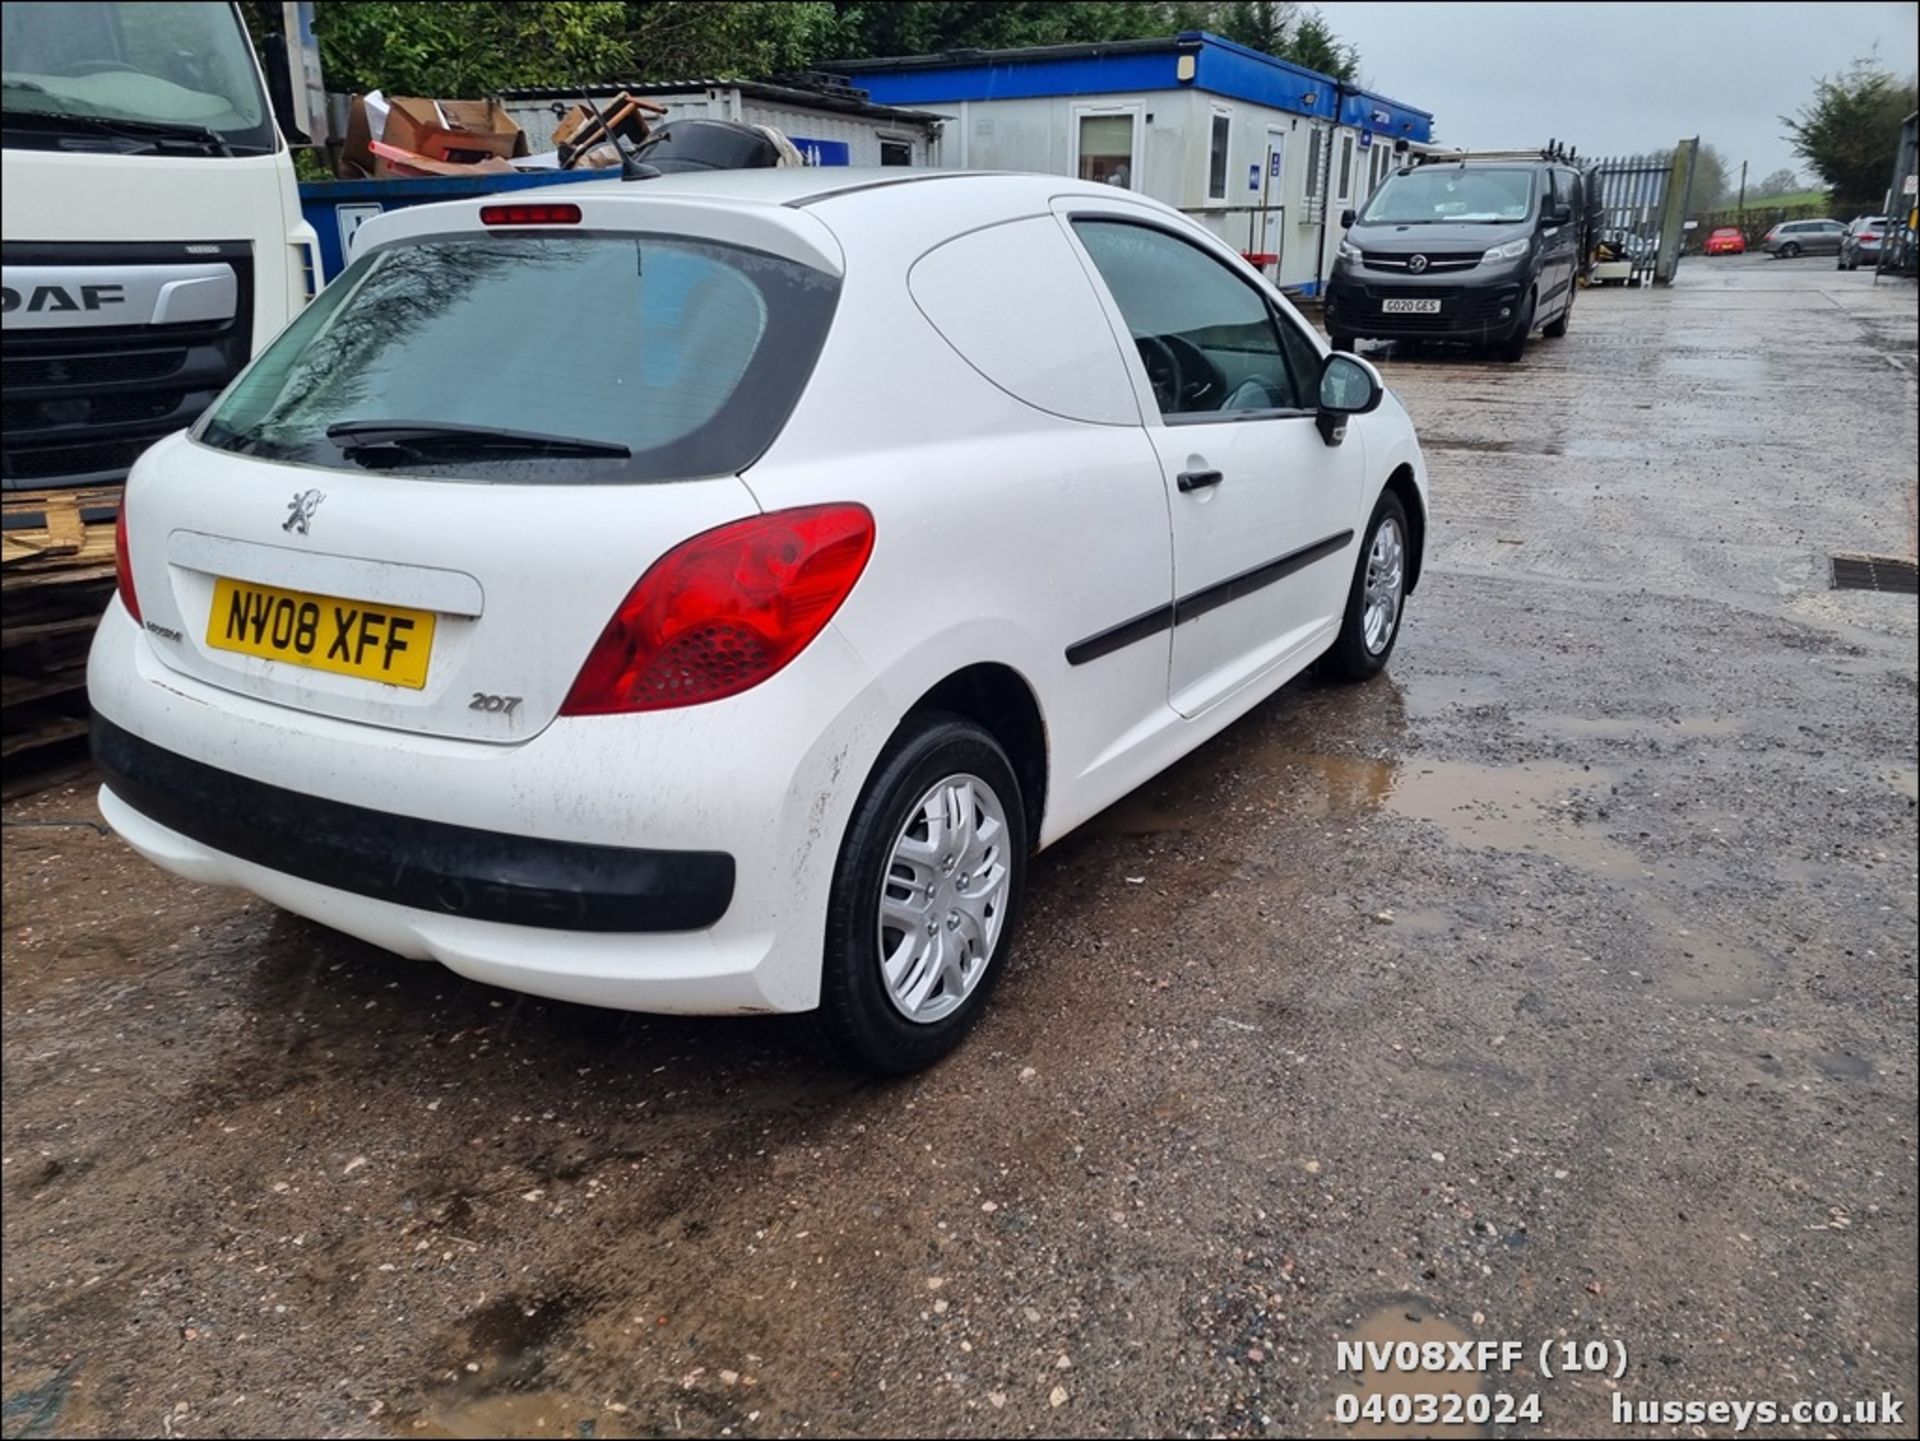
[[1206, 337], [1217, 155], [1345, 192], [1314, 142], [1303, 359], [1106, 149]]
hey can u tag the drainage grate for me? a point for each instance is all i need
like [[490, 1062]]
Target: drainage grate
[[1875, 572]]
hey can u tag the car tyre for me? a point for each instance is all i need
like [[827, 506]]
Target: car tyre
[[859, 1020], [1556, 328], [1341, 342], [1376, 601], [1515, 345], [1789, 251]]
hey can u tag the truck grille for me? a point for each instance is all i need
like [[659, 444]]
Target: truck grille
[[82, 404]]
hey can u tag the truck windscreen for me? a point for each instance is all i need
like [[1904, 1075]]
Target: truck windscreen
[[137, 78]]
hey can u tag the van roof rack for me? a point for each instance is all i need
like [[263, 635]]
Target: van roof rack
[[1553, 151]]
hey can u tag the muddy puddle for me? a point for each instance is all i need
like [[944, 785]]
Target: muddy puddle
[[1384, 1332], [1631, 727], [1492, 447], [1553, 810]]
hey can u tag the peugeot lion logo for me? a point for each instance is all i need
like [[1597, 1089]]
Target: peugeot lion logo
[[300, 511], [1414, 267]]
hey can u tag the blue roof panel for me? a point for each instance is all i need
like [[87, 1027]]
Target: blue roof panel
[[1221, 67]]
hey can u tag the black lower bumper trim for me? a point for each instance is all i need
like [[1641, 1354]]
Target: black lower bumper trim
[[428, 865]]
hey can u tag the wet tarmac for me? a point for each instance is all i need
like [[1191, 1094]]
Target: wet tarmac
[[1559, 986]]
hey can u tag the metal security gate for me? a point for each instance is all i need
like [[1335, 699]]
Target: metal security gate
[[1632, 199]]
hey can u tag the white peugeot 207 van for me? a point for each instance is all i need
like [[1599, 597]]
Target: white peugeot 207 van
[[702, 594]]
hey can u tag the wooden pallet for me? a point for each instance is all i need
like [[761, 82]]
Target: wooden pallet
[[57, 575]]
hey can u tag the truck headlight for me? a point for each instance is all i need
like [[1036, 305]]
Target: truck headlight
[[1349, 251], [1512, 250]]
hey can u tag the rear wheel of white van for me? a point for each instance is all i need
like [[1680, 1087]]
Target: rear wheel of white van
[[928, 887]]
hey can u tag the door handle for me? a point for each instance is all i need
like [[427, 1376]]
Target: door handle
[[1198, 479]]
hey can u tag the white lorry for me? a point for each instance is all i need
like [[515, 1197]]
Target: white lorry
[[152, 241]]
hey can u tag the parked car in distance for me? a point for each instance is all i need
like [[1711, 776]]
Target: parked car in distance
[[1862, 242], [687, 596], [1727, 240], [1803, 237], [1483, 251]]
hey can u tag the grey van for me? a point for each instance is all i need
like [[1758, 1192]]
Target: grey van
[[1469, 250]]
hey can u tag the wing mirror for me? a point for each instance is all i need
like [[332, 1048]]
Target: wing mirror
[[1348, 386], [1561, 214], [1347, 218]]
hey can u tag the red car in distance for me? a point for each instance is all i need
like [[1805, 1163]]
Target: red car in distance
[[1726, 241]]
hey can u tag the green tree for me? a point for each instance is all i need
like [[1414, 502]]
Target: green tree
[[465, 49], [456, 49], [919, 27], [1851, 130], [1709, 181], [1315, 46], [1781, 182]]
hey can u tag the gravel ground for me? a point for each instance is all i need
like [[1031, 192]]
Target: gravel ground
[[1559, 986]]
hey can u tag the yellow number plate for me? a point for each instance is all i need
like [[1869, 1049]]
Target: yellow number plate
[[348, 637]]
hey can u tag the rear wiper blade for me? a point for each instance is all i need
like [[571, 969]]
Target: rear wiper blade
[[148, 130], [358, 437]]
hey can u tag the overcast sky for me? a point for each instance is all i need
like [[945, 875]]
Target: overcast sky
[[1615, 79]]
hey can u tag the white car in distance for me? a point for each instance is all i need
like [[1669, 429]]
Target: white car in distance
[[701, 594]]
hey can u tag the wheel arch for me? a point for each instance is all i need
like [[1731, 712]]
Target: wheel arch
[[998, 699], [1401, 484]]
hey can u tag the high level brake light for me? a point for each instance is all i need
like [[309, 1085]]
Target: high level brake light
[[541, 214], [722, 612]]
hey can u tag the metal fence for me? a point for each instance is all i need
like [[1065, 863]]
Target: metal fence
[[1630, 196]]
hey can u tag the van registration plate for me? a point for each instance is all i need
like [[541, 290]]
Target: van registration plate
[[1410, 307], [348, 637]]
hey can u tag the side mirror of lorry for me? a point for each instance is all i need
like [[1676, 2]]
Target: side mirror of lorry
[[279, 65], [1561, 214], [1346, 219]]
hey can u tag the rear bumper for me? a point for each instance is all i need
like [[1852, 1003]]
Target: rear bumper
[[712, 972], [422, 864], [677, 861]]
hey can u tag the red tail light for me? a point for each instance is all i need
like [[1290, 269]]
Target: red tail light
[[123, 566], [545, 214], [720, 613]]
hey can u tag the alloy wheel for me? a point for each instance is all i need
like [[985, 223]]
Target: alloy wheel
[[943, 899], [1381, 595]]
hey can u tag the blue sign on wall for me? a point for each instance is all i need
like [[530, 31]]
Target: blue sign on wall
[[822, 152]]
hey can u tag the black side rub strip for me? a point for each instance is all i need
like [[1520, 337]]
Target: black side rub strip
[[428, 865], [1220, 593]]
